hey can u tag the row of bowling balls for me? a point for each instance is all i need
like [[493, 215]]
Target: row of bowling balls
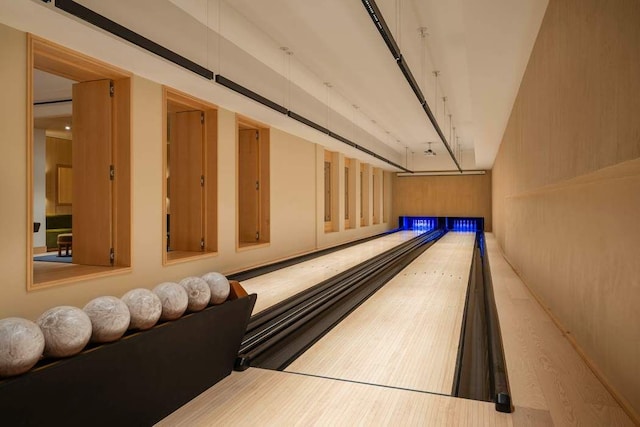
[[65, 330]]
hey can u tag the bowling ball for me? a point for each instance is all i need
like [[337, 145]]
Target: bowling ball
[[198, 292], [219, 286], [145, 308], [66, 330], [21, 345], [174, 300], [110, 318]]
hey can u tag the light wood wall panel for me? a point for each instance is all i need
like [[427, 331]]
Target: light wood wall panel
[[565, 195], [457, 195], [248, 177], [121, 155], [185, 189], [58, 152], [92, 190]]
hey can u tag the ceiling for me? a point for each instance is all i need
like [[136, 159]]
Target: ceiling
[[479, 48], [48, 87], [52, 111], [337, 59]]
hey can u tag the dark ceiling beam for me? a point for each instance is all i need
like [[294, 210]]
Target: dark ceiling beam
[[383, 29], [74, 8]]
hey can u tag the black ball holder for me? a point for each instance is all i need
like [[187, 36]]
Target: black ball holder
[[137, 380]]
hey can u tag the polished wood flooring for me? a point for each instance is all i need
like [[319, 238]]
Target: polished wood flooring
[[550, 383], [259, 397], [278, 285], [406, 335]]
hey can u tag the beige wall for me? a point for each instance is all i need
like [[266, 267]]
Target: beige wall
[[342, 235], [456, 195], [296, 215], [566, 187]]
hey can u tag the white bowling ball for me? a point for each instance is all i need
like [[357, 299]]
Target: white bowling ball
[[145, 308], [198, 292], [66, 330], [219, 286], [109, 318], [21, 345], [174, 300]]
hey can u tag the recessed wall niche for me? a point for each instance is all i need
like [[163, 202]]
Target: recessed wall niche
[[88, 102], [253, 207], [190, 209]]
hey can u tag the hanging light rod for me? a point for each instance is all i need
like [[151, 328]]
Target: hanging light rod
[[230, 84], [90, 16], [383, 29]]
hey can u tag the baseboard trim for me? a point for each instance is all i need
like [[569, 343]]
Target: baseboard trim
[[39, 250]]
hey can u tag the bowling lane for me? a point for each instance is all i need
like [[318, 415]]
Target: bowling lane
[[259, 397], [278, 285], [406, 335]]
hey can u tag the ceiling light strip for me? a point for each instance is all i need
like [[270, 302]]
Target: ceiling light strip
[[412, 81], [230, 84], [383, 29], [381, 25], [125, 33], [342, 139], [121, 31], [308, 122]]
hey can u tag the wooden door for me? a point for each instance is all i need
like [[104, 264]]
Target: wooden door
[[361, 198], [185, 181], [92, 184], [248, 185], [327, 191], [347, 221], [376, 210]]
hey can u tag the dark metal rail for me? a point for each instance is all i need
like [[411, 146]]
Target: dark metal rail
[[258, 271], [276, 336], [481, 372]]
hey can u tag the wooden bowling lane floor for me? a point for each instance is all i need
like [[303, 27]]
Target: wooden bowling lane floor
[[406, 335], [550, 384], [259, 397], [278, 285]]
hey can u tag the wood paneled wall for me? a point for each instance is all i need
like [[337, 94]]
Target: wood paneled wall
[[58, 153], [566, 187], [456, 195]]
